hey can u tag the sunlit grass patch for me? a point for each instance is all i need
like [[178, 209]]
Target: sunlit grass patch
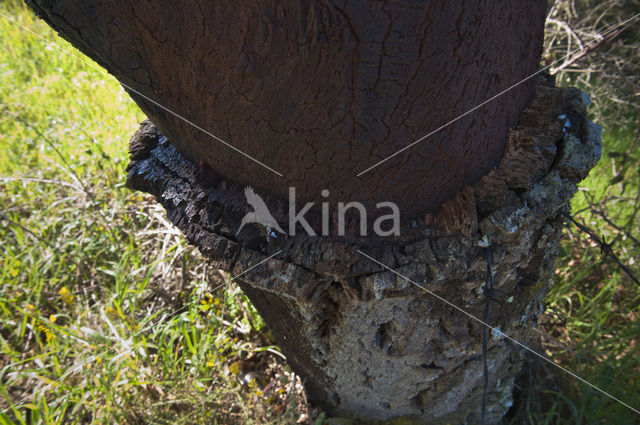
[[101, 300], [591, 325]]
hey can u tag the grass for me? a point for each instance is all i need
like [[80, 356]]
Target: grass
[[105, 316], [591, 325]]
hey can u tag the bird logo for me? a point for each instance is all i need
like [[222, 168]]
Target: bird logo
[[260, 213]]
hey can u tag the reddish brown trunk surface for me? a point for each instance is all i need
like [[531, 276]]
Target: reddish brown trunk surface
[[322, 90]]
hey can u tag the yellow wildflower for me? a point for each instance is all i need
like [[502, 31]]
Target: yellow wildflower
[[47, 332], [66, 296], [210, 362], [53, 318], [206, 301]]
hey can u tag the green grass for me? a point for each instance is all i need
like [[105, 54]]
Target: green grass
[[592, 326], [592, 323], [86, 336]]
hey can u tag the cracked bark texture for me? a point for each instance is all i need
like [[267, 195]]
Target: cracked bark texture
[[321, 90], [368, 343]]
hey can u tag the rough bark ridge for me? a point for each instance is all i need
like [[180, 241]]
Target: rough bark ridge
[[321, 90], [366, 342]]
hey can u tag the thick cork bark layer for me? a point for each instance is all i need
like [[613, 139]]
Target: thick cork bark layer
[[366, 342]]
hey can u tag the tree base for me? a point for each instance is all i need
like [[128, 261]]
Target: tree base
[[366, 342]]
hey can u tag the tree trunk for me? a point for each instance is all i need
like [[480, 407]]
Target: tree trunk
[[368, 342], [319, 92]]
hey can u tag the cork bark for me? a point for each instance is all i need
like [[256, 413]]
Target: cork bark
[[368, 343], [319, 91]]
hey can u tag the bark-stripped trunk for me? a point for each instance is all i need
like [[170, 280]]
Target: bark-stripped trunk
[[319, 91]]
